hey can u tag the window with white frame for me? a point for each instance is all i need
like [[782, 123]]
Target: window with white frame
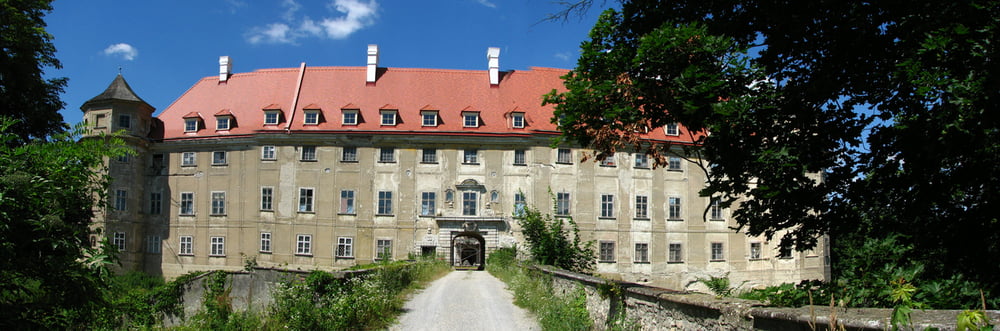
[[308, 153], [265, 242], [608, 161], [124, 121], [222, 123], [155, 203], [717, 252], [383, 249], [674, 208], [715, 209], [190, 124], [607, 206], [470, 156], [345, 247], [153, 244], [756, 250], [641, 161], [188, 159], [388, 117], [303, 244], [384, 203], [517, 120], [349, 154], [310, 117], [429, 118], [562, 204], [428, 155], [219, 158], [187, 203], [266, 198], [642, 252], [564, 155], [470, 201], [386, 155], [218, 203], [671, 129], [186, 245], [607, 251], [350, 117], [674, 253], [272, 117], [305, 200], [674, 163], [428, 203], [347, 202], [470, 119], [268, 152], [520, 157], [520, 204], [641, 207], [118, 240], [218, 246], [121, 200]]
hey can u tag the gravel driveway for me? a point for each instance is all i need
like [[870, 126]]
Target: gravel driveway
[[465, 300]]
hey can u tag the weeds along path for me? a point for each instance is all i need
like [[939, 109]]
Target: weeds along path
[[465, 300]]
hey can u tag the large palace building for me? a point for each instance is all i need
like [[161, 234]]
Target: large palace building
[[330, 167]]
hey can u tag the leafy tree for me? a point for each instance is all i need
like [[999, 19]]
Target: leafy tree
[[550, 243], [25, 51], [50, 277], [849, 118]]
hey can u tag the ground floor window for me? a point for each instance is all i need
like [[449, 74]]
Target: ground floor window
[[607, 252], [345, 247], [383, 249]]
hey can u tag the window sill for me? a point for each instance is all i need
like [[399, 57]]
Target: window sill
[[606, 261], [675, 170], [306, 212], [520, 164], [646, 219], [640, 262], [717, 219], [641, 167], [716, 260], [344, 257], [675, 262], [186, 215], [216, 255], [350, 124], [426, 215], [348, 161], [675, 220], [313, 160], [268, 159], [423, 162], [470, 163], [264, 252], [267, 210], [385, 215], [347, 214], [563, 215], [217, 215], [608, 166], [220, 164], [607, 218], [304, 254], [188, 165], [759, 259], [566, 163], [386, 161], [182, 254]]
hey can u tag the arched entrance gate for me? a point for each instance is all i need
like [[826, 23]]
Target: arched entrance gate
[[468, 248]]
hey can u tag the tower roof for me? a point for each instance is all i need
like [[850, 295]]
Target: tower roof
[[118, 90]]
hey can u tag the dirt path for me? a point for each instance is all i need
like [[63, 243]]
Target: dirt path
[[465, 300]]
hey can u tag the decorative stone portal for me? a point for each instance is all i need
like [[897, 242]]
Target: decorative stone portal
[[468, 247]]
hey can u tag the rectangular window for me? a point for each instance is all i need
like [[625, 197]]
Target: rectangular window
[[124, 121], [191, 125], [187, 203], [388, 117], [429, 118], [268, 153], [188, 159], [347, 202], [785, 253], [187, 246], [350, 117], [642, 252], [349, 154], [469, 202], [470, 119], [564, 155], [517, 120], [218, 203], [383, 249], [520, 157], [271, 117], [607, 251], [311, 118], [387, 155], [308, 153], [427, 203], [384, 203], [124, 158], [119, 241], [218, 247], [470, 156], [607, 206], [121, 200], [305, 200], [715, 210], [265, 242], [674, 208], [756, 250], [345, 247], [219, 158], [717, 253], [675, 253], [562, 204], [608, 161], [520, 204], [641, 161], [222, 123], [100, 121], [429, 156], [674, 163], [266, 198], [155, 203], [303, 244], [671, 129], [641, 207], [153, 244]]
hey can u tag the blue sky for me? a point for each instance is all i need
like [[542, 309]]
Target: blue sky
[[164, 47]]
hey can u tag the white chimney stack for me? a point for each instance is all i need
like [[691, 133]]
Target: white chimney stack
[[493, 53], [225, 68], [372, 63]]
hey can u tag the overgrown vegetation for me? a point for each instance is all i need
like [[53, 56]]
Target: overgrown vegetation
[[533, 291], [551, 243]]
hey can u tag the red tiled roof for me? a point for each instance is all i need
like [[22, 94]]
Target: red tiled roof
[[409, 91], [224, 112], [193, 114]]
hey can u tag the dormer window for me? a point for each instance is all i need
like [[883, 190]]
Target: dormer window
[[224, 120], [671, 129], [517, 120], [192, 122], [429, 118], [350, 116], [470, 119], [271, 117], [311, 117], [388, 117]]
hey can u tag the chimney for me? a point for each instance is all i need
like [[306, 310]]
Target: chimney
[[225, 68], [372, 63], [493, 53]]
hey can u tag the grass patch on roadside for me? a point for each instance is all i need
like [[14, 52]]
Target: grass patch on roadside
[[533, 291]]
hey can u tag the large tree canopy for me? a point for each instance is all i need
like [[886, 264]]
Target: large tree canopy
[[829, 117], [25, 51]]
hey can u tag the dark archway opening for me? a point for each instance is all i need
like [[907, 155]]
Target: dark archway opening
[[468, 249]]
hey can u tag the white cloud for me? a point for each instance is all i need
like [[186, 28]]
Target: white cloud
[[126, 51], [565, 56], [487, 3], [354, 15]]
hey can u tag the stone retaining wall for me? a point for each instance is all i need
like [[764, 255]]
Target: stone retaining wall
[[661, 309]]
